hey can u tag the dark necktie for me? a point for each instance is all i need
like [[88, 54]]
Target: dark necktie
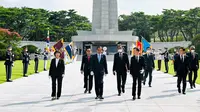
[[88, 58]]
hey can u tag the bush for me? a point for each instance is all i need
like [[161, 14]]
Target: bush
[[196, 43], [2, 54], [31, 48]]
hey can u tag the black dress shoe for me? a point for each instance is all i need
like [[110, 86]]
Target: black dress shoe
[[143, 83], [175, 75], [119, 94], [96, 97], [191, 87], [184, 93], [165, 72], [58, 98], [158, 70], [123, 91], [150, 86], [101, 98], [25, 76], [9, 80], [194, 85], [139, 97], [89, 92], [179, 90], [53, 98], [134, 98], [85, 91]]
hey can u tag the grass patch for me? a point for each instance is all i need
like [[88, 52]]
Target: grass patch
[[17, 70], [171, 69]]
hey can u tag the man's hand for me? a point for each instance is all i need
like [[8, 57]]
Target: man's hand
[[113, 72], [49, 77], [128, 71], [81, 72], [63, 75], [91, 73], [142, 71]]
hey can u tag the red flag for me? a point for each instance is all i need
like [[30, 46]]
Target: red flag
[[58, 45], [139, 46]]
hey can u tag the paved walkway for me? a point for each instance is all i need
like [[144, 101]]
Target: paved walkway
[[32, 94]]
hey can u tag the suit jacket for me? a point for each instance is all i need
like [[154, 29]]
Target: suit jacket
[[86, 64], [99, 67], [181, 66], [149, 62], [26, 57], [121, 65], [57, 71], [193, 61], [136, 66]]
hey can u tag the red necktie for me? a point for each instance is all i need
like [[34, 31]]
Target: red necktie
[[88, 58]]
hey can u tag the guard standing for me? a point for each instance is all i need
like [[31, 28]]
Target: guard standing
[[166, 58], [9, 63], [45, 59], [36, 62], [25, 61]]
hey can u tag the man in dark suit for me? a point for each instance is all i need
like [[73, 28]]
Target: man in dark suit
[[149, 65], [57, 72], [137, 67], [99, 69], [36, 61], [25, 61], [121, 67], [174, 58], [86, 69], [166, 59], [181, 66], [9, 63], [194, 66]]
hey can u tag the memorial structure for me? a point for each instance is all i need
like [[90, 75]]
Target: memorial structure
[[104, 29]]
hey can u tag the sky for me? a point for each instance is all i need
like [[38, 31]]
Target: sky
[[84, 7]]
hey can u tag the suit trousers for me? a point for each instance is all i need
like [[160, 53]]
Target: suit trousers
[[181, 78], [59, 86], [98, 84], [121, 81], [159, 64], [137, 80], [25, 68], [8, 71], [192, 81], [45, 64], [36, 66], [166, 66], [148, 73], [88, 81]]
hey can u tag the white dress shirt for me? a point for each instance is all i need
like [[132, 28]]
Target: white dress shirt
[[57, 60]]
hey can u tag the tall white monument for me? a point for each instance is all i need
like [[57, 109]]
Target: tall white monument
[[104, 28]]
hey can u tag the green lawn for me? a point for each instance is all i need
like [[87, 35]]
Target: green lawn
[[17, 71], [171, 69]]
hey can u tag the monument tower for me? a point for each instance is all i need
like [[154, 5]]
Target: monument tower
[[104, 29]]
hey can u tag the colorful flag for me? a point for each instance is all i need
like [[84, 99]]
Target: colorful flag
[[139, 46], [48, 41], [58, 45], [69, 51], [145, 44]]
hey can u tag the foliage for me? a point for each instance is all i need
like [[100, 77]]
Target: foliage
[[31, 48], [171, 25], [33, 24]]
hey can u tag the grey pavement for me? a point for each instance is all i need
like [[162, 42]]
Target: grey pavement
[[32, 94]]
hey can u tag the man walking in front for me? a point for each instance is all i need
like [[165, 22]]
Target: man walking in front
[[194, 66], [120, 68], [99, 69], [57, 72], [181, 66], [149, 66], [86, 69], [136, 70]]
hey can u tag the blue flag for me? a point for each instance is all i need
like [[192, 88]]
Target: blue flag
[[69, 51], [145, 44]]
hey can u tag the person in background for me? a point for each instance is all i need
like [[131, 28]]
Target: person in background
[[174, 58], [57, 72], [45, 58], [9, 63], [25, 61], [194, 66], [149, 66], [86, 66], [159, 57], [137, 66], [166, 59], [181, 66], [99, 69], [120, 69], [36, 61]]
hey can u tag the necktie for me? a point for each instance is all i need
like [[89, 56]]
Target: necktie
[[88, 58], [193, 56], [99, 57], [120, 55]]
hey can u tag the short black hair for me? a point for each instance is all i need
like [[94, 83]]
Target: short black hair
[[136, 49], [99, 47], [182, 48], [57, 52]]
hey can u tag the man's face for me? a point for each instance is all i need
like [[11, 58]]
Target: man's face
[[99, 50], [57, 55], [181, 52], [88, 52], [136, 52]]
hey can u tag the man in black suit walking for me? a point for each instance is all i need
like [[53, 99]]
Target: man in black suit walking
[[166, 59], [56, 72], [99, 69], [194, 66], [149, 65], [86, 69], [181, 66], [121, 67], [137, 67]]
